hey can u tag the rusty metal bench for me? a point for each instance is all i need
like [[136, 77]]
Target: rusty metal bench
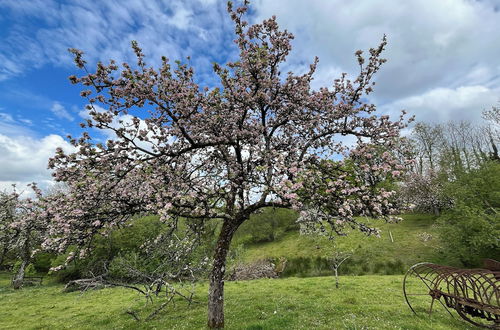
[[473, 293]]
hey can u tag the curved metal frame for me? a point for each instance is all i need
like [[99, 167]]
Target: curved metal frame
[[473, 293]]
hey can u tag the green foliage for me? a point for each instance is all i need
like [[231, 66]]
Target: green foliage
[[131, 237], [471, 235], [73, 271], [307, 267], [43, 261], [29, 270], [471, 229], [266, 226], [125, 247], [366, 302], [167, 258], [306, 254], [356, 265], [479, 188], [122, 242], [116, 269]]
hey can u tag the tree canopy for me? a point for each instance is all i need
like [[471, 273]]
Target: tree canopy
[[259, 138]]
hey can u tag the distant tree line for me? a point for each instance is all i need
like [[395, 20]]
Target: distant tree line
[[456, 176]]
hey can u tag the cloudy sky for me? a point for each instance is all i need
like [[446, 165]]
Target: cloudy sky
[[443, 57]]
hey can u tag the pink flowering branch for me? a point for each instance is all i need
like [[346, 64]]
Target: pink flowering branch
[[259, 139]]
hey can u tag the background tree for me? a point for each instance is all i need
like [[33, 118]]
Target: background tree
[[459, 185], [454, 147], [336, 260], [426, 192], [27, 225], [7, 218], [443, 153], [223, 153], [429, 140], [470, 230], [493, 130]]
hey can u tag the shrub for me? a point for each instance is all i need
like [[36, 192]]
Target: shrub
[[470, 230], [267, 226]]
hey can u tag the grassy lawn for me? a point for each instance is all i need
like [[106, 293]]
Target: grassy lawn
[[407, 247], [362, 302]]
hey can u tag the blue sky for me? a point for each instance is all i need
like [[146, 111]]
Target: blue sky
[[443, 57]]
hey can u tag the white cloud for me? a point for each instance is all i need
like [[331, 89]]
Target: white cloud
[[26, 121], [60, 111], [118, 122], [104, 30], [207, 2], [24, 159], [432, 44], [5, 117], [446, 104], [9, 67], [10, 127], [182, 18]]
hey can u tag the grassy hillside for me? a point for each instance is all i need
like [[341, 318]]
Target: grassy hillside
[[371, 255], [364, 302]]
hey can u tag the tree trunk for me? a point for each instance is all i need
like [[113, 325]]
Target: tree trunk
[[17, 282], [336, 278], [216, 289], [436, 210], [494, 154], [2, 256]]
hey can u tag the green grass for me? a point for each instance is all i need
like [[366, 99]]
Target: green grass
[[362, 302], [371, 254]]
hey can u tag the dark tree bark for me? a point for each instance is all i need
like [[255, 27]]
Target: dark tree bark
[[3, 255], [494, 154], [216, 289], [436, 210]]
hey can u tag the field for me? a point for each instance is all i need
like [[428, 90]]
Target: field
[[362, 302], [307, 254], [297, 301]]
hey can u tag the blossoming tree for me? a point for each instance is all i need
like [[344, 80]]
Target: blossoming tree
[[23, 225], [256, 140], [7, 218]]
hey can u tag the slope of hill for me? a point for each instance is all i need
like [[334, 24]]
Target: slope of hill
[[413, 240]]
